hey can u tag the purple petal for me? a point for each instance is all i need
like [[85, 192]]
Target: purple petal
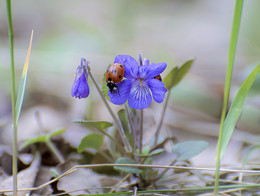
[[152, 70], [122, 93], [157, 88], [140, 96], [80, 88], [130, 64]]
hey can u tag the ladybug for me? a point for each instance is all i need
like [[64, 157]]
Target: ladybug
[[115, 74], [158, 77]]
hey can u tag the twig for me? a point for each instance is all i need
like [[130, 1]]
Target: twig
[[124, 179], [73, 169]]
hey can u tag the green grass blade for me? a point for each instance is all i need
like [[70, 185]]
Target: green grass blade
[[231, 58], [236, 109], [22, 85], [11, 43]]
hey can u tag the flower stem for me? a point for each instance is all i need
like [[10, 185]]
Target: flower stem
[[130, 125], [14, 126], [162, 117], [55, 151], [141, 131], [164, 171], [121, 132]]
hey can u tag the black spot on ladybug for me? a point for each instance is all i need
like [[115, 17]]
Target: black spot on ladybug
[[113, 71], [109, 79], [121, 66], [120, 76]]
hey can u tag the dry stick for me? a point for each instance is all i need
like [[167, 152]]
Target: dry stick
[[73, 169], [121, 132], [124, 179]]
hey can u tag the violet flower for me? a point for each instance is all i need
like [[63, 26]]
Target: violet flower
[[80, 88], [139, 87]]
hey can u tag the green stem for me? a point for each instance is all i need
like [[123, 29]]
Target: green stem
[[231, 58], [120, 146], [121, 132], [162, 117], [164, 171], [105, 156], [130, 126], [55, 151], [141, 131], [11, 43]]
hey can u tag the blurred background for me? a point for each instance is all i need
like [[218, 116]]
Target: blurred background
[[170, 31]]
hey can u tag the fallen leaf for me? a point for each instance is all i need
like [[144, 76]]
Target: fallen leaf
[[25, 178]]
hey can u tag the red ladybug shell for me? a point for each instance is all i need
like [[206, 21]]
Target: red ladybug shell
[[158, 77], [115, 73]]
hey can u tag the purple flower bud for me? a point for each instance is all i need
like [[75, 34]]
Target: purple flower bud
[[80, 88], [146, 61]]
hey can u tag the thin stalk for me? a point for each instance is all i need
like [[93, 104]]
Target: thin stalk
[[141, 131], [162, 117], [55, 151], [75, 168], [14, 125], [121, 132], [120, 146], [124, 179], [164, 171], [130, 125], [231, 58], [105, 156]]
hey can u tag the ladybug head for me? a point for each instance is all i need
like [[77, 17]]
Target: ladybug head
[[112, 87]]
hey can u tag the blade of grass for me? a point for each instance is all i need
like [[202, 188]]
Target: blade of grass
[[22, 85], [231, 58], [11, 43], [236, 109]]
